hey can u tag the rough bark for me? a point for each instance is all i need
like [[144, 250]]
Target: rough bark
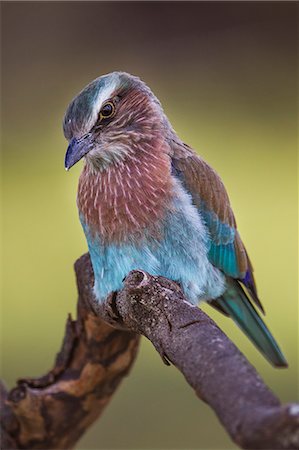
[[95, 356], [219, 373]]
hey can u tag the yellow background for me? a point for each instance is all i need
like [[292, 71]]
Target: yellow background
[[226, 76]]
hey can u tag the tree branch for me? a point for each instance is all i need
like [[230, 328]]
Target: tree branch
[[95, 356], [220, 375]]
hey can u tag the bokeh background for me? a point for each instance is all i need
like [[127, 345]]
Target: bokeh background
[[226, 75]]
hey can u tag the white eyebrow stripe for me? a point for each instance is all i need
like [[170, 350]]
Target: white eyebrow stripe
[[112, 81], [106, 92]]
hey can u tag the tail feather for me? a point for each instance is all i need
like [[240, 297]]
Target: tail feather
[[237, 305]]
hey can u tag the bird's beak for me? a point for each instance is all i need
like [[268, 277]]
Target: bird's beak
[[76, 150]]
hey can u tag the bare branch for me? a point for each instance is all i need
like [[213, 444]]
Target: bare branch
[[55, 410], [220, 375]]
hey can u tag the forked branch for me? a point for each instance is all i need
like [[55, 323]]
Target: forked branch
[[95, 357]]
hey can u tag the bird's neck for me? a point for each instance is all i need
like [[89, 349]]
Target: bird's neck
[[127, 199]]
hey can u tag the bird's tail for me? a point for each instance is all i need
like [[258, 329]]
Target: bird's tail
[[237, 305]]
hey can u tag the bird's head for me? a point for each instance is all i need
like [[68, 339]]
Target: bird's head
[[110, 118]]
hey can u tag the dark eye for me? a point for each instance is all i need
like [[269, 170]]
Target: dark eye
[[107, 111]]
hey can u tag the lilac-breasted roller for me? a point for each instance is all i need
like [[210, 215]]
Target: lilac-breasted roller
[[147, 201]]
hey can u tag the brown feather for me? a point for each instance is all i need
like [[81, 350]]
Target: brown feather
[[205, 184]]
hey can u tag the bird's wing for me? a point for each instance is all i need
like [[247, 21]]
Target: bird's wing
[[227, 251]]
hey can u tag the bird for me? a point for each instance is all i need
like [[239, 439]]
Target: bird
[[148, 201]]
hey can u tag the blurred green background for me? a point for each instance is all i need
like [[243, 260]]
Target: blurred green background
[[226, 76]]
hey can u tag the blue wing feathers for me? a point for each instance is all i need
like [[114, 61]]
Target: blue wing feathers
[[224, 257], [222, 250], [226, 251]]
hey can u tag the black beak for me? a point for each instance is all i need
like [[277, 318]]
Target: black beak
[[76, 150]]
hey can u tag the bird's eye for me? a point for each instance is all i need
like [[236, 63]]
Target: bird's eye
[[107, 111]]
